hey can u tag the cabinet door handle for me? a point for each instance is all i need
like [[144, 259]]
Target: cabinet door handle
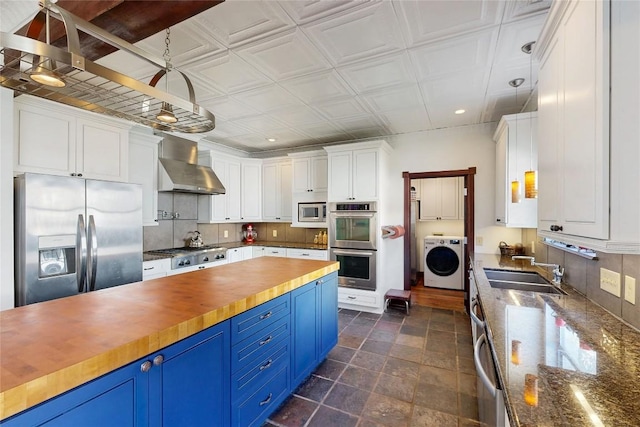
[[157, 361], [146, 366], [266, 315], [556, 228], [351, 297], [266, 365], [148, 268], [266, 340], [267, 400]]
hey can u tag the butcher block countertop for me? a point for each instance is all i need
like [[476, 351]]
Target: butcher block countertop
[[51, 347]]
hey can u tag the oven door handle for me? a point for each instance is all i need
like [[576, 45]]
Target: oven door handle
[[355, 253], [342, 214]]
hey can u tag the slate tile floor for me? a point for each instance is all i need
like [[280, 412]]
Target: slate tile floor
[[390, 370]]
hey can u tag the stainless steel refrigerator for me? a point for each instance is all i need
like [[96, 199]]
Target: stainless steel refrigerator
[[74, 235]]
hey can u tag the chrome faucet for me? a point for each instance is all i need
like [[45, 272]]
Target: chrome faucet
[[558, 271]]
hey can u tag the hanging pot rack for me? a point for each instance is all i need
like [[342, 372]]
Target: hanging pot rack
[[93, 87]]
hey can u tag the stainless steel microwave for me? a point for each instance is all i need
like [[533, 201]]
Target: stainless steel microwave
[[312, 212]]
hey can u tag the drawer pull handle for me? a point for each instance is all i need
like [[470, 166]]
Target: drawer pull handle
[[146, 366], [148, 268], [266, 341], [351, 297], [267, 400], [158, 360], [266, 315], [266, 365]]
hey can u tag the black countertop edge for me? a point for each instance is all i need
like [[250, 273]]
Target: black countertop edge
[[153, 256], [569, 343]]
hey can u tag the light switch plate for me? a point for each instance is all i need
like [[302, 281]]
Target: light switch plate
[[610, 281], [630, 289]]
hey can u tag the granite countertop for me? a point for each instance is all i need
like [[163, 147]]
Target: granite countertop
[[587, 362], [51, 347], [152, 256]]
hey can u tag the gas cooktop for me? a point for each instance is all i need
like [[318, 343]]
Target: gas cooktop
[[188, 256]]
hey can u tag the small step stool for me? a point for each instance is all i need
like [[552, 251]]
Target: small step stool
[[397, 295]]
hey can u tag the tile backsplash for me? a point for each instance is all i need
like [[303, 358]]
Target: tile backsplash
[[584, 276], [176, 227]]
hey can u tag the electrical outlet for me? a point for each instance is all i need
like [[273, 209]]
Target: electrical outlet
[[275, 233], [610, 281], [226, 233], [630, 289], [479, 240]]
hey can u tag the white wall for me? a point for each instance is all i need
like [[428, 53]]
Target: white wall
[[6, 199], [459, 148]]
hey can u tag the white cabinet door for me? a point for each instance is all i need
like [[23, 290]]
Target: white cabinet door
[[143, 170], [276, 191], [102, 151], [221, 207], [340, 176], [449, 198], [45, 141], [365, 175], [251, 191], [257, 251], [301, 173], [318, 173]]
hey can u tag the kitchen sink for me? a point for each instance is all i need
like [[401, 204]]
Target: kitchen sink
[[515, 276], [530, 287]]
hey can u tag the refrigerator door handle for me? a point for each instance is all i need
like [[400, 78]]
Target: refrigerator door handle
[[81, 254], [92, 255]]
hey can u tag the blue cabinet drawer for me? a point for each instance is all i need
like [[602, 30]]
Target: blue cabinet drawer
[[255, 409], [252, 377], [246, 324], [260, 343]]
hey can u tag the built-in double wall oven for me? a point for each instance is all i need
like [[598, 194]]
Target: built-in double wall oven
[[352, 242]]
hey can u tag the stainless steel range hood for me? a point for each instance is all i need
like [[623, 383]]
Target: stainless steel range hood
[[179, 171]]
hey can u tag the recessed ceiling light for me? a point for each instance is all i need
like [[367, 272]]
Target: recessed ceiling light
[[271, 139], [461, 111]]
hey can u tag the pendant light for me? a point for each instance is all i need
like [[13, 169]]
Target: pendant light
[[44, 73], [530, 176], [166, 111], [515, 184]]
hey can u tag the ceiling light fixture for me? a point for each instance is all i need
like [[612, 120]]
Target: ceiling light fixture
[[515, 184], [530, 176], [166, 111], [461, 111], [44, 73], [81, 83], [271, 139]]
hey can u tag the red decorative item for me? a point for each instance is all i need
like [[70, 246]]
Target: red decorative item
[[250, 235]]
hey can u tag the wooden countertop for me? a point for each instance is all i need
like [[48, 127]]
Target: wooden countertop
[[51, 347]]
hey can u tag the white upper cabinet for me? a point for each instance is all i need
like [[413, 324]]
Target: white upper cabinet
[[440, 199], [574, 123], [276, 190], [221, 207], [354, 171], [251, 190], [588, 125], [516, 152], [143, 170], [55, 139], [309, 172]]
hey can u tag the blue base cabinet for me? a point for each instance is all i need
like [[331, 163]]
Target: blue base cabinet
[[235, 373], [314, 325], [154, 391]]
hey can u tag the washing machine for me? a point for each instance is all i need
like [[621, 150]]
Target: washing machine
[[444, 262]]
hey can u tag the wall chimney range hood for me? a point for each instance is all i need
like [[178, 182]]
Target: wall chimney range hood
[[75, 80], [179, 172]]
